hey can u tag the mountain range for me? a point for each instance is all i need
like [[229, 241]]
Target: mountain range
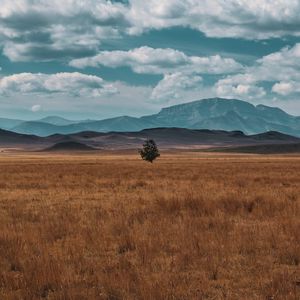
[[212, 114]]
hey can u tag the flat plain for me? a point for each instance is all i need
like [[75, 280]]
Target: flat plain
[[110, 226]]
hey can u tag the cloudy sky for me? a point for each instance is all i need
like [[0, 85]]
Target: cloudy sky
[[97, 58]]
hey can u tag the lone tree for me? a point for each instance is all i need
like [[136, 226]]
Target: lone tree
[[150, 151]]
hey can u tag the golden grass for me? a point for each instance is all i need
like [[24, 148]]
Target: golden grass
[[114, 227]]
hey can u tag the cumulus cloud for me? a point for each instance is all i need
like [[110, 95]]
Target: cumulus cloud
[[240, 91], [43, 30], [53, 30], [281, 68], [286, 88], [73, 84], [180, 71], [256, 19], [174, 85], [159, 61]]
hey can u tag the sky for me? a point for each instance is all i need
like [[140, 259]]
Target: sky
[[97, 59]]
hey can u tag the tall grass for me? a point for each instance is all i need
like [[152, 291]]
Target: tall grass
[[114, 227]]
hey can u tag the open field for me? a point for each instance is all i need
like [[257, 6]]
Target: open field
[[189, 226]]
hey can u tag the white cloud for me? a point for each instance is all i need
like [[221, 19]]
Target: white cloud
[[281, 68], [43, 30], [180, 71], [36, 108], [174, 86], [240, 91], [52, 30], [74, 84], [256, 19], [159, 61], [286, 88], [141, 60]]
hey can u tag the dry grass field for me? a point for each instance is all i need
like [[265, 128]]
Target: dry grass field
[[189, 226]]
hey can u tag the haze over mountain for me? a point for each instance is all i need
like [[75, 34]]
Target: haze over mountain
[[55, 120], [213, 114], [9, 123]]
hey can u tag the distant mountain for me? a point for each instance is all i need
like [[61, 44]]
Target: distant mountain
[[213, 114], [114, 124], [227, 114], [59, 121], [47, 126], [36, 128], [120, 124], [9, 123]]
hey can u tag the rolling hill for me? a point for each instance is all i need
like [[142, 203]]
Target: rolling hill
[[265, 149], [166, 138], [69, 147], [13, 139]]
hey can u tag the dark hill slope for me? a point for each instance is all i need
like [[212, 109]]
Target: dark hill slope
[[69, 146], [265, 149], [8, 138]]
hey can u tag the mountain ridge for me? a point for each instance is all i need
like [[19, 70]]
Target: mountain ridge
[[212, 113]]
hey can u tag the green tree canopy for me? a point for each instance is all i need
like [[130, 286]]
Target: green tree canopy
[[150, 151]]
